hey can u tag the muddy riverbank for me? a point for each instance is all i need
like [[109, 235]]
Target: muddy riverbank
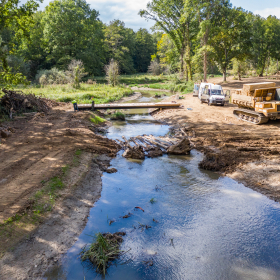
[[244, 152]]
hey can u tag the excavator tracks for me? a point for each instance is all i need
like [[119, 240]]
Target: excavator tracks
[[250, 116]]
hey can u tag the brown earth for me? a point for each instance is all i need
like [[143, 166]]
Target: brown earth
[[248, 153], [38, 148]]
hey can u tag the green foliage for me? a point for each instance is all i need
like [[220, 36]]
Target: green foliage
[[97, 120], [230, 38], [153, 200], [118, 116], [13, 20], [144, 48], [239, 67], [53, 76]]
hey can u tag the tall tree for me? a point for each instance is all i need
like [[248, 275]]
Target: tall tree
[[144, 48], [230, 38], [265, 41], [209, 13], [72, 30], [120, 45], [16, 19], [168, 15]]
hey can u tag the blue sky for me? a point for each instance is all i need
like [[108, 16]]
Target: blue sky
[[127, 10]]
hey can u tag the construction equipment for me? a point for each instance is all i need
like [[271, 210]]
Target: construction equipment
[[258, 103]]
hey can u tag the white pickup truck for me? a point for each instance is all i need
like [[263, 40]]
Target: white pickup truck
[[213, 94]]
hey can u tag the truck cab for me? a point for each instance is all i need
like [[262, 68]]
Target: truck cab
[[196, 90], [212, 94]]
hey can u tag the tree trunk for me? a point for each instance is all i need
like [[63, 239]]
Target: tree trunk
[[188, 54], [225, 75], [205, 66], [182, 63]]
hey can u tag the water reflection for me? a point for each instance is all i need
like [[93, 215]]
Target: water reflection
[[202, 226]]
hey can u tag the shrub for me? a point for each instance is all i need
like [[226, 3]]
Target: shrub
[[155, 68], [53, 76], [112, 73], [76, 72], [118, 116]]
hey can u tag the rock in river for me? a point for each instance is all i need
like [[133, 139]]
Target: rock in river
[[182, 148], [134, 152]]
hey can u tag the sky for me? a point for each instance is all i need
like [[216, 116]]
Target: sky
[[127, 10]]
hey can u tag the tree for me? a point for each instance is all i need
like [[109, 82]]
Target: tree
[[230, 38], [167, 53], [208, 13], [170, 17], [120, 45], [16, 19], [265, 41], [144, 48], [72, 30]]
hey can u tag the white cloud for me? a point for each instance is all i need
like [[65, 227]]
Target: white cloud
[[124, 10], [268, 11]]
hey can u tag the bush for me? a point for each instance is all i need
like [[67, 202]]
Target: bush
[[155, 68], [118, 116], [76, 72], [53, 76], [112, 73]]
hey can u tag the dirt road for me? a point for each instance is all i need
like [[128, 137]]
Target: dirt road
[[245, 152]]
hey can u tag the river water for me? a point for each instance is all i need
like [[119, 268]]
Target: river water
[[202, 226]]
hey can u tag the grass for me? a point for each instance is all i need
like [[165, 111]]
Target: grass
[[118, 116], [102, 251], [100, 93], [97, 120]]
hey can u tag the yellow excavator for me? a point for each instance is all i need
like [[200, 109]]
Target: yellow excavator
[[258, 103]]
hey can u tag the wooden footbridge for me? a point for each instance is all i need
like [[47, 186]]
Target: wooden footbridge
[[93, 106]]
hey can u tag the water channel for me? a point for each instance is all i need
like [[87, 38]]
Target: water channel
[[203, 226]]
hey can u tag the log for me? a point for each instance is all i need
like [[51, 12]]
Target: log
[[133, 140], [156, 144], [126, 142], [145, 143]]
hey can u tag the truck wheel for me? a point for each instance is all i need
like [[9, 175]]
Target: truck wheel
[[223, 104]]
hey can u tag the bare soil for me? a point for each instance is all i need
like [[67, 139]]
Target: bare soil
[[37, 149], [248, 153]]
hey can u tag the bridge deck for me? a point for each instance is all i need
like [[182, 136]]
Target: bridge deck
[[125, 106]]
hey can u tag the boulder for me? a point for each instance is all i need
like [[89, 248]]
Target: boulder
[[182, 148], [155, 152], [111, 170], [134, 152]]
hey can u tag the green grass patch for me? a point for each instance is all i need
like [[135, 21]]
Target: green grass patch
[[118, 116], [97, 120], [100, 93]]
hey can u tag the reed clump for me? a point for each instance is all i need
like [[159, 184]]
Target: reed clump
[[103, 251]]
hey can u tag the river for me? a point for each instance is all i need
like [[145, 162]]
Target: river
[[202, 226]]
